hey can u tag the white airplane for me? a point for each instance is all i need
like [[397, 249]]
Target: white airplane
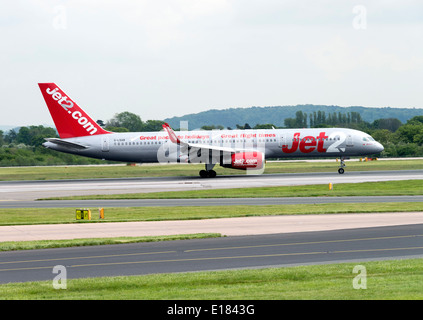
[[236, 149]]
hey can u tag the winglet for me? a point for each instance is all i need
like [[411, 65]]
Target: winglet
[[172, 135]]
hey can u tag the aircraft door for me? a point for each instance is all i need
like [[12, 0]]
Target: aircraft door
[[282, 140], [350, 142], [105, 143]]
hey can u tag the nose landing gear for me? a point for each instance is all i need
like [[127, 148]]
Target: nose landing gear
[[341, 167]]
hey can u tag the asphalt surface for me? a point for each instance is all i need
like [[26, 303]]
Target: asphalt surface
[[272, 250], [31, 190], [203, 202]]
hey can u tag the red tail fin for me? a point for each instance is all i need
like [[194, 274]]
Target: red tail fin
[[69, 118]]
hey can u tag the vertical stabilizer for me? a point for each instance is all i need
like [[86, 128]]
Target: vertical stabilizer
[[70, 120]]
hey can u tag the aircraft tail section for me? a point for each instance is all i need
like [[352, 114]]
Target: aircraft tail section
[[70, 120]]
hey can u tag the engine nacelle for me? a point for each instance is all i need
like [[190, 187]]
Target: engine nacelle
[[245, 160]]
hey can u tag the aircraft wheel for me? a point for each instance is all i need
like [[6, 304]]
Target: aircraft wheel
[[203, 174], [207, 174], [341, 170]]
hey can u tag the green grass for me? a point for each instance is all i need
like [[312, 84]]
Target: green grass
[[25, 216], [384, 188], [157, 170], [386, 280], [46, 244]]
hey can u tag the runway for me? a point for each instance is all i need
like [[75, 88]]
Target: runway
[[270, 250], [31, 190]]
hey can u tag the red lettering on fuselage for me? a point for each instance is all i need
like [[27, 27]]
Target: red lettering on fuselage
[[294, 146], [321, 138], [306, 144]]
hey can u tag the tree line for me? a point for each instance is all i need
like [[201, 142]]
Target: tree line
[[399, 140], [24, 147], [320, 118]]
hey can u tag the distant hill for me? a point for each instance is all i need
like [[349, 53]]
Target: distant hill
[[276, 115], [6, 128]]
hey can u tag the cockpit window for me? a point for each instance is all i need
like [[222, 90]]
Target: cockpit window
[[365, 139]]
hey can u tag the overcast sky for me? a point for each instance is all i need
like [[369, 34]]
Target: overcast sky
[[164, 58]]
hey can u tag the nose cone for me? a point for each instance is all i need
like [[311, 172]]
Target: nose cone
[[378, 147]]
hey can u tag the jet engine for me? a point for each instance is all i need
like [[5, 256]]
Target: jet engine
[[244, 160]]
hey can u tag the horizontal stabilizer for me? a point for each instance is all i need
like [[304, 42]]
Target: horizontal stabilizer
[[66, 144]]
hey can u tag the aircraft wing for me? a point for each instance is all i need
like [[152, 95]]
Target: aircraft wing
[[185, 145]]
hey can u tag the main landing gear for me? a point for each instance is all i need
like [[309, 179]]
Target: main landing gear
[[341, 167], [209, 172]]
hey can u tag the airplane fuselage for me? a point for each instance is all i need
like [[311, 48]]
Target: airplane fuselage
[[147, 147], [236, 149]]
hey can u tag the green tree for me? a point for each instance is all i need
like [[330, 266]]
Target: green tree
[[245, 126], [23, 136], [126, 119], [415, 120], [153, 125], [34, 135], [384, 136], [117, 129], [300, 120], [391, 124], [418, 138], [264, 126], [290, 123], [10, 136], [213, 127], [407, 132]]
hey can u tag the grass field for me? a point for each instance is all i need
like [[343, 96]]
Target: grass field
[[386, 280], [26, 216], [48, 244], [156, 170]]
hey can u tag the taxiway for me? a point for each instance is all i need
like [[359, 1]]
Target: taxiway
[[270, 250]]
